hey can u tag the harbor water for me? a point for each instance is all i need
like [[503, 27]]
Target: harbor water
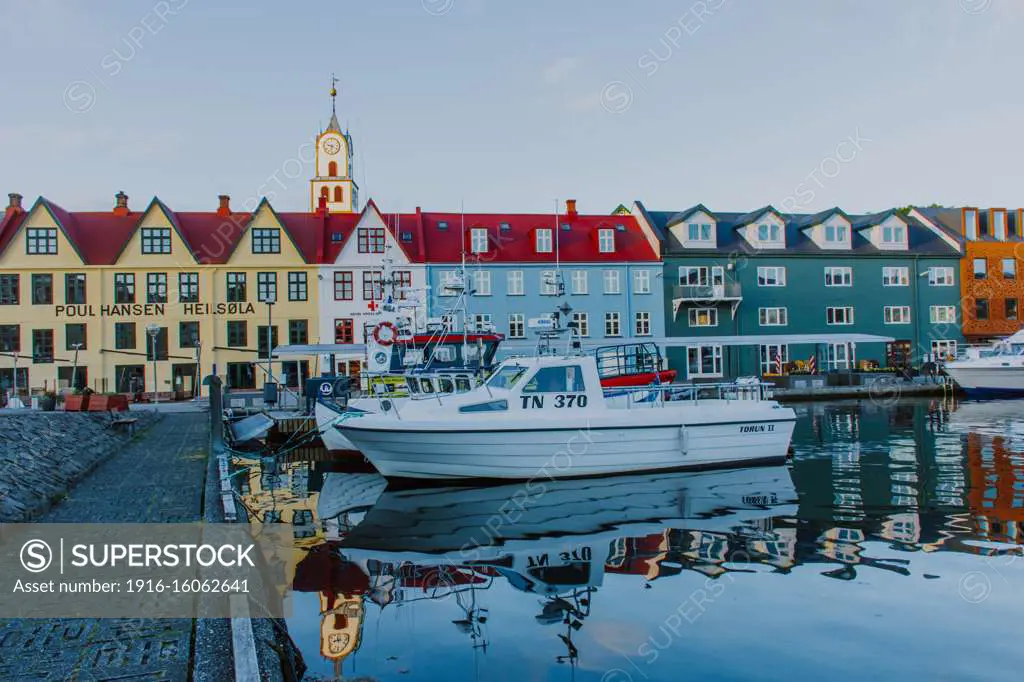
[[890, 547]]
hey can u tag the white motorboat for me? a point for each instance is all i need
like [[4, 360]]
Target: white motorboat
[[549, 417], [991, 372]]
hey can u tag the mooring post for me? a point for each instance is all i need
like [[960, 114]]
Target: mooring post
[[216, 408]]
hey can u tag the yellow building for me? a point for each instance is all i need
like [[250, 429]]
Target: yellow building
[[105, 299]]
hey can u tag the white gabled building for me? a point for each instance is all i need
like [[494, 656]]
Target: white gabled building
[[371, 259]]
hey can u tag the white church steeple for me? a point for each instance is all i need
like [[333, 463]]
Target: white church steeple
[[333, 179]]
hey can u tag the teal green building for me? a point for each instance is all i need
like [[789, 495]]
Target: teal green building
[[756, 292]]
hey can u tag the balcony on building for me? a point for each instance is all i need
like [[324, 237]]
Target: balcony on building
[[707, 293]]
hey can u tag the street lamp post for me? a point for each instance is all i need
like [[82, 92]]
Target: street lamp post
[[74, 367], [270, 300], [153, 330]]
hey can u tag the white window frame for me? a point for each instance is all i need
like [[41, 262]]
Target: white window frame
[[582, 321], [894, 234], [580, 282], [896, 314], [773, 317], [945, 347], [447, 277], [481, 282], [514, 283], [612, 319], [765, 273], [838, 234], [702, 230], [642, 323], [478, 240], [606, 240], [847, 316], [549, 283], [941, 276], [716, 360], [694, 317], [839, 356], [844, 273], [544, 240], [766, 356], [895, 276], [612, 283], [703, 275], [942, 314], [773, 231], [641, 281], [516, 322]]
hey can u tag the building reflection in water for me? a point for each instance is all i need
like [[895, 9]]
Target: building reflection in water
[[914, 477]]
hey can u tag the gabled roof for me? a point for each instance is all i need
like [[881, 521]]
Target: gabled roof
[[9, 224], [689, 212], [871, 219], [748, 218], [512, 237], [921, 239], [819, 217]]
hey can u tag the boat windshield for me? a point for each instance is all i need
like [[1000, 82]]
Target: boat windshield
[[506, 376]]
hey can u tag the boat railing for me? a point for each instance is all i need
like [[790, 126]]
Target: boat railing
[[754, 391]]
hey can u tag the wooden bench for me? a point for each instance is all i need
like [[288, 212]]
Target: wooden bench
[[126, 424]]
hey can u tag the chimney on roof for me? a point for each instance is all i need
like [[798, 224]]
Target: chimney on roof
[[224, 205], [121, 203], [570, 208], [14, 202]]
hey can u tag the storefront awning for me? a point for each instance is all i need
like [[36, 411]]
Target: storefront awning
[[321, 349]]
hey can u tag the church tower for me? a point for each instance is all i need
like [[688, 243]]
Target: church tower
[[333, 178]]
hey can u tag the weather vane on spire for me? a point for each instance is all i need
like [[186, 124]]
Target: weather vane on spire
[[334, 91]]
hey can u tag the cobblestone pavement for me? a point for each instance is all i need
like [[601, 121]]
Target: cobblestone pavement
[[157, 478]]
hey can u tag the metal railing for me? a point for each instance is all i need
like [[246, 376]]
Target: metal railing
[[708, 292], [754, 391]]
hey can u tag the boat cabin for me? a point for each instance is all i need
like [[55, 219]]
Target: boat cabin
[[448, 350], [632, 364]]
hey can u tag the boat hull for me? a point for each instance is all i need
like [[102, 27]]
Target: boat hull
[[988, 381], [573, 451]]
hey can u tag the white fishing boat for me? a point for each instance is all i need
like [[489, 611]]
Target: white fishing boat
[[991, 372], [550, 417]]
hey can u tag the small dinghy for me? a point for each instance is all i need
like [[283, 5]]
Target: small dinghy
[[550, 417]]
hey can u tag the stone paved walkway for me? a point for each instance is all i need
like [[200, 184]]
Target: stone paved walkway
[[158, 478]]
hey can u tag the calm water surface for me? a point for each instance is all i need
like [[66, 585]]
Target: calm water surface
[[890, 548]]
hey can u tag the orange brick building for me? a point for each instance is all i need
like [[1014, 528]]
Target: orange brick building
[[991, 277]]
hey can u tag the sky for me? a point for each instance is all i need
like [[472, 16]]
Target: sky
[[511, 106]]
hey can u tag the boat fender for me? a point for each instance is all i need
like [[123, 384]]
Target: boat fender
[[684, 439], [388, 338]]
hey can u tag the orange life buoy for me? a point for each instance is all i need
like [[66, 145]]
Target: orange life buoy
[[385, 340]]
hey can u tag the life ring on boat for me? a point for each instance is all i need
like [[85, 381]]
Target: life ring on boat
[[388, 338]]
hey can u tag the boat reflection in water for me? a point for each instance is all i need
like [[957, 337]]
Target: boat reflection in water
[[555, 539], [904, 510]]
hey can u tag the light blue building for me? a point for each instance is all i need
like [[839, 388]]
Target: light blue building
[[521, 267]]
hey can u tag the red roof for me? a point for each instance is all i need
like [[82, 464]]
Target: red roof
[[212, 237], [511, 237]]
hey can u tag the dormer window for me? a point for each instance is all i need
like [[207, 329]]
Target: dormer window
[[894, 234], [699, 232], [543, 242], [768, 232], [999, 225], [478, 240], [970, 223], [835, 234], [606, 240]]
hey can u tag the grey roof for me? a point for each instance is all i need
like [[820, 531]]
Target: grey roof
[[922, 240], [333, 125]]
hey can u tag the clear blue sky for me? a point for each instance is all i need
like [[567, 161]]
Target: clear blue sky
[[505, 105]]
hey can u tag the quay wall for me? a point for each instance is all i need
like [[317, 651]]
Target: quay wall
[[43, 454]]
